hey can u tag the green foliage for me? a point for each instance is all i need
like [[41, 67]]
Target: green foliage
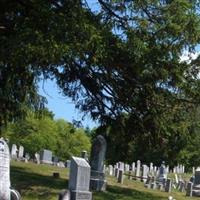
[[59, 136], [125, 58]]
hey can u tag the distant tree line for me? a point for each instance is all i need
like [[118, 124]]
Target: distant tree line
[[44, 132]]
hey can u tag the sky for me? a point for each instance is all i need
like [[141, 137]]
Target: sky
[[62, 107]]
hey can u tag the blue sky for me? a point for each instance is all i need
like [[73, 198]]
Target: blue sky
[[62, 106]]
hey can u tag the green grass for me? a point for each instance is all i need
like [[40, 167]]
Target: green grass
[[36, 182]]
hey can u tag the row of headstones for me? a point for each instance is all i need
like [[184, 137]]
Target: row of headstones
[[82, 175], [180, 169], [18, 153], [139, 171], [44, 157]]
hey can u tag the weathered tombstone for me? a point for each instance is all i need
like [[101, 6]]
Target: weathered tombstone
[[181, 186], [21, 152], [121, 176], [4, 171], [61, 164], [138, 170], [14, 151], [189, 189], [145, 170], [151, 168], [46, 156], [110, 170], [127, 167], [162, 172], [27, 156], [196, 185], [121, 166], [97, 180], [133, 167], [176, 178], [193, 170], [68, 163], [79, 180], [168, 186], [116, 172], [37, 158]]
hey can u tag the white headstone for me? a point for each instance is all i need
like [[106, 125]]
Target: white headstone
[[133, 167], [4, 171], [14, 151], [21, 152], [138, 168]]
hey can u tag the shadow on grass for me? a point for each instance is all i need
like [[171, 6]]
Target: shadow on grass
[[115, 192], [33, 184]]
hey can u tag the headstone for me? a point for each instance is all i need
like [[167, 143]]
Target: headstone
[[68, 163], [14, 151], [162, 172], [121, 166], [121, 176], [196, 186], [138, 170], [189, 189], [27, 156], [176, 178], [133, 167], [61, 164], [97, 180], [116, 172], [127, 167], [21, 152], [110, 170], [193, 170], [181, 186], [168, 186], [46, 156], [37, 158], [79, 179], [4, 171], [84, 155], [151, 168], [145, 170]]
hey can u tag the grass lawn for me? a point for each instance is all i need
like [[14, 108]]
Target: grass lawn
[[35, 182]]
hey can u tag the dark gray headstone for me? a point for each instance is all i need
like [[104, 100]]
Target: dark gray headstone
[[97, 180], [121, 176], [189, 189], [168, 186]]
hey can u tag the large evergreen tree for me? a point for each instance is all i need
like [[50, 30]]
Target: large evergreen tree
[[123, 58]]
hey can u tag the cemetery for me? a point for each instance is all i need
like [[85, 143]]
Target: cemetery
[[84, 178], [100, 100]]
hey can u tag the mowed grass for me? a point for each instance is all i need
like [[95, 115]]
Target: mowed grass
[[36, 182]]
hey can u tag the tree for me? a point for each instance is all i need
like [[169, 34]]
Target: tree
[[124, 58]]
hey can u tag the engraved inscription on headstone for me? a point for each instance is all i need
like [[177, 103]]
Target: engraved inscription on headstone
[[4, 171]]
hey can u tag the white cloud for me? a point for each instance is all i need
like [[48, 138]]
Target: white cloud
[[188, 57]]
